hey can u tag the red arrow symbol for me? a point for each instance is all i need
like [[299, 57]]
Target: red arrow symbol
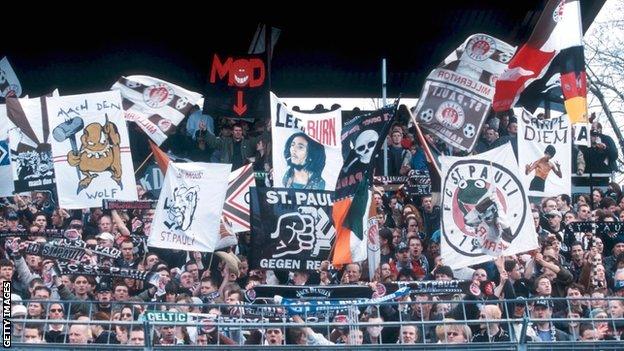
[[240, 106]]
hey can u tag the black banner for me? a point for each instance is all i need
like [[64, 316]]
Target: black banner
[[97, 249], [238, 86], [431, 287], [102, 271], [53, 251], [595, 227], [108, 204], [416, 183], [51, 233], [362, 138], [291, 229], [316, 291]]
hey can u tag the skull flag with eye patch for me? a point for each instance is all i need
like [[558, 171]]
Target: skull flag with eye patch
[[362, 138], [238, 87]]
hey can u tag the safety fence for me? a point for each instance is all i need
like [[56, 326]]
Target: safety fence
[[520, 324]]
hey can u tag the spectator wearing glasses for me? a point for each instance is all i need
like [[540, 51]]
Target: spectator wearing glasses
[[453, 333], [56, 331]]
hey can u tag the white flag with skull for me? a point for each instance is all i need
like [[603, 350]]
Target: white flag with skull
[[180, 222]]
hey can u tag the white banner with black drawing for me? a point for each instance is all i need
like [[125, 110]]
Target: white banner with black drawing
[[189, 209], [90, 149], [29, 141], [291, 229], [307, 149], [546, 154], [485, 208]]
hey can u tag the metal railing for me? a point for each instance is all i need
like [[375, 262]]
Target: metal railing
[[246, 322]]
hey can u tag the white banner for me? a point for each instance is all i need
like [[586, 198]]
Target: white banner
[[90, 150], [485, 209], [307, 149], [190, 205], [236, 206], [155, 105], [9, 83], [6, 174], [545, 155]]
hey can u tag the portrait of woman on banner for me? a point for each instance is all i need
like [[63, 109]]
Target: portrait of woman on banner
[[306, 160]]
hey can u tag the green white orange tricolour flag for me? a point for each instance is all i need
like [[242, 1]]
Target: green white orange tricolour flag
[[362, 137]]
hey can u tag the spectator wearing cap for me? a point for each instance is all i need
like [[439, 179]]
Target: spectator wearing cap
[[18, 312], [546, 330], [103, 294], [56, 331], [12, 220], [402, 259], [105, 239]]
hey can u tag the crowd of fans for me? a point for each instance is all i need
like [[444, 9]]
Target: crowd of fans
[[567, 265]]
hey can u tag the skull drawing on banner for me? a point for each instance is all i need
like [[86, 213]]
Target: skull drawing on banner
[[181, 208], [365, 144]]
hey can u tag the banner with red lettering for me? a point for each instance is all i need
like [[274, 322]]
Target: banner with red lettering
[[457, 95], [238, 87], [307, 151]]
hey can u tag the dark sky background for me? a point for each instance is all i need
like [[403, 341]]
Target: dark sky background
[[320, 52]]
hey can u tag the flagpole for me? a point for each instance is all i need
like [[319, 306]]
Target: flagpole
[[143, 163], [383, 101]]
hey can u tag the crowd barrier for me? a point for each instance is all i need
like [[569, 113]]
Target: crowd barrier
[[245, 318]]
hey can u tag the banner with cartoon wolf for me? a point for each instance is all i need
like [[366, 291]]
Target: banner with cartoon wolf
[[29, 141], [307, 149], [291, 228], [189, 209], [90, 149], [458, 94], [485, 208], [546, 153], [155, 105]]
